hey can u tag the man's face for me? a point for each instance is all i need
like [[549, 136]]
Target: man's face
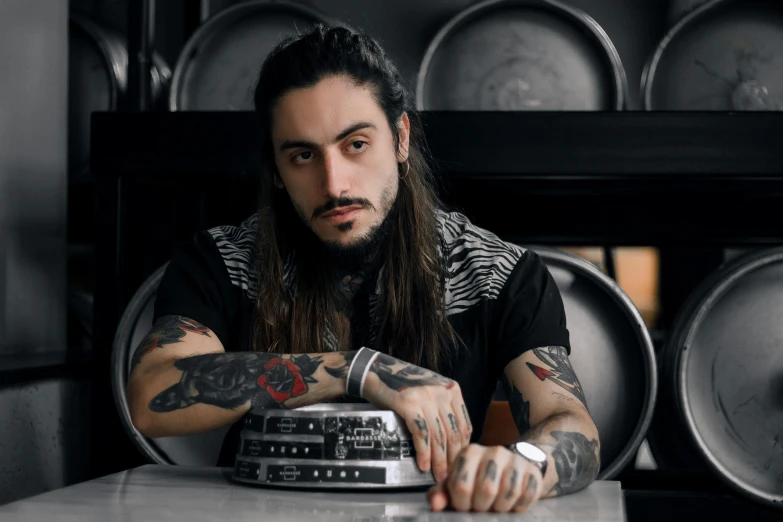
[[335, 155]]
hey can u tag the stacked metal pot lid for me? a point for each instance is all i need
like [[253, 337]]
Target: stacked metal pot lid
[[328, 446], [723, 374], [521, 55], [724, 55], [218, 68]]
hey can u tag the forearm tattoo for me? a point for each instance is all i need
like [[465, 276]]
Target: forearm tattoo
[[560, 370], [169, 329], [577, 461], [341, 372], [520, 408], [399, 375], [229, 380]]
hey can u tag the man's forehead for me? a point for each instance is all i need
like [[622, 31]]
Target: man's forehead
[[321, 112]]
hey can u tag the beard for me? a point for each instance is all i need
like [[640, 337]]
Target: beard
[[363, 250], [366, 248]]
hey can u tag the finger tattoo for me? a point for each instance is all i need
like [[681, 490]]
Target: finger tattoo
[[454, 423], [513, 486], [440, 434], [527, 499], [467, 417], [532, 485], [460, 465], [492, 471], [422, 425]]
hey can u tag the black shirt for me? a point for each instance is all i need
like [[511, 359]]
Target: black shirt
[[500, 299]]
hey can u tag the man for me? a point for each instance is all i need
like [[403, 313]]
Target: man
[[351, 250]]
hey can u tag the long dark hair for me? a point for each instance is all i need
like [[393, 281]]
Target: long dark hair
[[411, 315]]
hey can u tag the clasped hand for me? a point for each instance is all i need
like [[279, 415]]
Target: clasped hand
[[470, 477]]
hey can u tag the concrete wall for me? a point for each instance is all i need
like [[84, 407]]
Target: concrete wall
[[42, 423], [44, 437], [33, 112]]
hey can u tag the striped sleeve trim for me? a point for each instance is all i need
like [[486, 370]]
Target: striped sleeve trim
[[478, 262]]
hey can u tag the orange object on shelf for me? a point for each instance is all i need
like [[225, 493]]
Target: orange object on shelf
[[499, 425], [637, 274]]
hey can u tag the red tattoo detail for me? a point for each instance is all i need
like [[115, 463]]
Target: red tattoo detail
[[450, 385], [274, 363], [193, 328], [541, 373], [150, 346], [284, 374]]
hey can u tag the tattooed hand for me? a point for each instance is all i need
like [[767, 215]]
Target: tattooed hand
[[431, 405], [488, 478]]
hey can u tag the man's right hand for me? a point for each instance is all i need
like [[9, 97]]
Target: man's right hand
[[431, 405]]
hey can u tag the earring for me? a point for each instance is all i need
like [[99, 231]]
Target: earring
[[407, 169]]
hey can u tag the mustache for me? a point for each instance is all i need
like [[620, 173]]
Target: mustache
[[340, 202]]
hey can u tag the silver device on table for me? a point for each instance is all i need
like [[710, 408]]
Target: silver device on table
[[328, 446]]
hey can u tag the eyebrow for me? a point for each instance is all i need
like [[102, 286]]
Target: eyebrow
[[293, 144]]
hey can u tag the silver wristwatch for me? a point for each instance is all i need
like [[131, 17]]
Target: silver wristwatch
[[531, 453]]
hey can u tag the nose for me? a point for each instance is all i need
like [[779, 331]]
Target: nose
[[336, 176]]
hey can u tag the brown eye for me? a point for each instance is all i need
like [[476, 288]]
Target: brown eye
[[303, 156]]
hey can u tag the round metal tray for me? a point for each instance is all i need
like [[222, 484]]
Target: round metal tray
[[219, 65], [521, 55], [726, 55], [725, 364]]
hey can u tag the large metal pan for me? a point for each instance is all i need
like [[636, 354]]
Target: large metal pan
[[521, 55], [611, 352], [219, 65], [726, 55], [679, 8], [97, 81], [201, 449], [724, 365], [328, 446]]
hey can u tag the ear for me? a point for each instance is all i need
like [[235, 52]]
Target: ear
[[404, 127], [277, 180]]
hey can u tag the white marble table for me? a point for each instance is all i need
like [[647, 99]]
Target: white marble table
[[155, 493]]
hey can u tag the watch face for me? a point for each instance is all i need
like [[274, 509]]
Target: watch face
[[531, 452]]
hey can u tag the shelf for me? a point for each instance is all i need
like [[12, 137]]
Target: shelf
[[633, 178]]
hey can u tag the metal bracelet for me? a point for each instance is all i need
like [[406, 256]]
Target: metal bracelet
[[357, 372]]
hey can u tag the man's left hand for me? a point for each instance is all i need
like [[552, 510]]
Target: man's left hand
[[488, 478]]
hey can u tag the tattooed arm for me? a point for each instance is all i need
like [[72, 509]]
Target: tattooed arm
[[493, 478], [550, 410], [183, 382]]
